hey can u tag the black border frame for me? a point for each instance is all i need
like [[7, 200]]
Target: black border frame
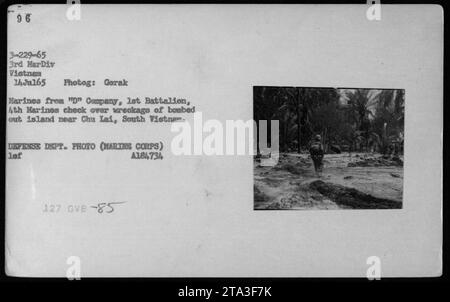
[[168, 287]]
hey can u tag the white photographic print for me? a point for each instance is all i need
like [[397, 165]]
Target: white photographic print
[[224, 141]]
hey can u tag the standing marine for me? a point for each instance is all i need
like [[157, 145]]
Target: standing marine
[[316, 151]]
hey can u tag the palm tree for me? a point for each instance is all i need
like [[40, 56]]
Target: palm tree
[[287, 111], [389, 117], [362, 103]]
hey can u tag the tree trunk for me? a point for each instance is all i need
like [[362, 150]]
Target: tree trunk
[[298, 122], [286, 131]]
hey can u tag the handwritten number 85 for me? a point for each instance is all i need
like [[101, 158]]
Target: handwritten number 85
[[27, 18], [104, 207]]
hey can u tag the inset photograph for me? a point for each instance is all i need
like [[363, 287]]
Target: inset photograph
[[337, 148]]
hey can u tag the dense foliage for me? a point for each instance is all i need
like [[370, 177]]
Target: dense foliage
[[369, 120]]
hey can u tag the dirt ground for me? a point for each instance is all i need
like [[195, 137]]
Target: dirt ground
[[348, 181]]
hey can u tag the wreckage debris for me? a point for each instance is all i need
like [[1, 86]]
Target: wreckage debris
[[335, 149], [352, 198], [376, 162], [259, 197]]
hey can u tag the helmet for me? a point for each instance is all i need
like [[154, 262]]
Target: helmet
[[318, 138]]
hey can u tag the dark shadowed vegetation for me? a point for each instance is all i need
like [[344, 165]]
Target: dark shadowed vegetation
[[355, 120]]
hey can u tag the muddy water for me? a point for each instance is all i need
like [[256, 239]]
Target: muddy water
[[286, 185]]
